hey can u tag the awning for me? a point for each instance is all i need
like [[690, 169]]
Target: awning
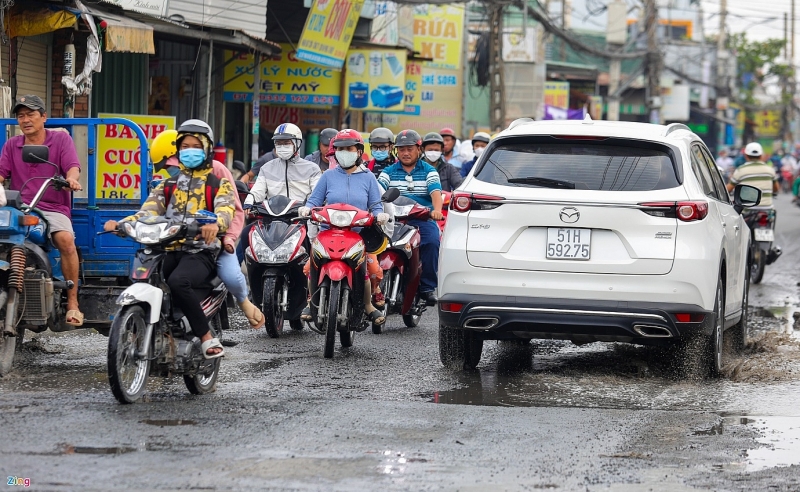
[[123, 34], [38, 20]]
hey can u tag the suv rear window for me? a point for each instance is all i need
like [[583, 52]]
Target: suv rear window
[[582, 164]]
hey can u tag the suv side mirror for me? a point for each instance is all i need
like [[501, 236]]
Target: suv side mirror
[[745, 196], [35, 154]]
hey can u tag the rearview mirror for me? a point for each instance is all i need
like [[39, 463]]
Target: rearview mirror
[[390, 195], [745, 196], [35, 153], [239, 166]]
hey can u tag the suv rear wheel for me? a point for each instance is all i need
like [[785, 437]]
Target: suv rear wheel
[[459, 349]]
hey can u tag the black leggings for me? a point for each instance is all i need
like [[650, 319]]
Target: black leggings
[[188, 275]]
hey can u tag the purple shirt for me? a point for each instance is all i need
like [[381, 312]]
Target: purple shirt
[[62, 153]]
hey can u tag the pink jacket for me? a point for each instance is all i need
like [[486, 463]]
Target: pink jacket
[[237, 225]]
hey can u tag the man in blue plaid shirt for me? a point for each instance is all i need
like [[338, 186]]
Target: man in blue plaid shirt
[[419, 181]]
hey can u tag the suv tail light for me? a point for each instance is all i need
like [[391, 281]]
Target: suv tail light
[[690, 317], [683, 211], [464, 202]]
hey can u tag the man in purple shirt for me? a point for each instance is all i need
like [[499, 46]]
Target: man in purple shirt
[[55, 205]]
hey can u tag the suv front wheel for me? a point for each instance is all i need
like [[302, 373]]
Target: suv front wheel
[[459, 349]]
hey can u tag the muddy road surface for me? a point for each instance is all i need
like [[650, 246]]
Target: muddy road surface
[[385, 414]]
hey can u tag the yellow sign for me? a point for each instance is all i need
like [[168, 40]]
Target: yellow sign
[[118, 155], [328, 31], [556, 94], [438, 33], [285, 80], [768, 123], [375, 80]]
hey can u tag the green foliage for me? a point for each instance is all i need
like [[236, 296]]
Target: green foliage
[[759, 59]]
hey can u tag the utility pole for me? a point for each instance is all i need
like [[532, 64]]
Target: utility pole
[[792, 83], [563, 49], [722, 74], [785, 121], [616, 35], [256, 107], [497, 104], [653, 61]]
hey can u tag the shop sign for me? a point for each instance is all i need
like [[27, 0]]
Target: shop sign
[[438, 33], [305, 118], [157, 8], [556, 94], [375, 80], [385, 24], [328, 31], [285, 80], [118, 155], [519, 45], [768, 123]]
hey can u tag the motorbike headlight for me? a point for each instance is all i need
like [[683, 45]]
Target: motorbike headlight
[[318, 250], [5, 218], [149, 233], [128, 228], [169, 232], [355, 252], [281, 254], [402, 210], [340, 218]]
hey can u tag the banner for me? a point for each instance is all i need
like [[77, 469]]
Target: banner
[[519, 46], [556, 94], [767, 123], [284, 80], [328, 31], [118, 155], [554, 113], [438, 34], [375, 80]]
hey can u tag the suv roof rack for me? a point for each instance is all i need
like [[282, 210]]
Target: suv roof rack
[[673, 127], [520, 121]]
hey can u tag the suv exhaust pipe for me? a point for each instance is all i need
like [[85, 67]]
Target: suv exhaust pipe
[[651, 331], [481, 323]]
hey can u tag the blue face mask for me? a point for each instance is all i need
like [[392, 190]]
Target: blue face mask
[[173, 170], [380, 155], [192, 158]]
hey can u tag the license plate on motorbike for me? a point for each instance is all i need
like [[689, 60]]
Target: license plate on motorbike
[[764, 234], [568, 244]]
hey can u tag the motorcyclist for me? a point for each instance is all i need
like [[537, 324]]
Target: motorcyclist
[[163, 153], [419, 181], [320, 156], [479, 142], [351, 183], [449, 151], [449, 176], [381, 142], [190, 262], [757, 173]]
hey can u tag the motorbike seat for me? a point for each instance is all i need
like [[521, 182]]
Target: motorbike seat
[[216, 282]]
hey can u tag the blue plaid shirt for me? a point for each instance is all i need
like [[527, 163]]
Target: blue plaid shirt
[[417, 185]]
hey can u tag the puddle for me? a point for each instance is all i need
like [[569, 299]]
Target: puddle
[[97, 450], [168, 423], [395, 463], [714, 430], [779, 435]]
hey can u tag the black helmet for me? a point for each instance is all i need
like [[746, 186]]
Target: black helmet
[[432, 137], [381, 135], [375, 241], [326, 135], [407, 138]]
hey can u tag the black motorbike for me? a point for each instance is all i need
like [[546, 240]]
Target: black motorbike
[[148, 329], [762, 236]]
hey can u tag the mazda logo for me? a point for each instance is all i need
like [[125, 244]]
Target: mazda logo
[[569, 215]]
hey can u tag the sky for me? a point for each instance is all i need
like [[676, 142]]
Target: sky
[[761, 19]]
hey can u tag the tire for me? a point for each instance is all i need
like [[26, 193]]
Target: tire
[[473, 349], [200, 384], [386, 286], [710, 347], [270, 306], [411, 320], [331, 323], [740, 332], [346, 338], [296, 324], [758, 266], [128, 378], [451, 347]]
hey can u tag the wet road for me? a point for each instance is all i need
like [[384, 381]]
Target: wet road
[[385, 414]]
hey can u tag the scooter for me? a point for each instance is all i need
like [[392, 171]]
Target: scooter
[[401, 265], [31, 284], [275, 260], [148, 329], [338, 270], [762, 235]]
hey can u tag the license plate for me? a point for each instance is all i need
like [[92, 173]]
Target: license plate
[[764, 235], [568, 244]]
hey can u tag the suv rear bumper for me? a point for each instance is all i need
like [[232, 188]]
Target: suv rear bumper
[[582, 321]]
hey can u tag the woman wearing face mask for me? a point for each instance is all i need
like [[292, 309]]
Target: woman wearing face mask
[[479, 142], [432, 148], [352, 183]]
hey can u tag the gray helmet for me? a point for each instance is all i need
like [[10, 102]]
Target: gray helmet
[[481, 137], [381, 135], [432, 137], [326, 135], [197, 126], [407, 138]]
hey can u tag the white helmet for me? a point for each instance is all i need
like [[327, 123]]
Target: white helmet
[[754, 149], [289, 131]]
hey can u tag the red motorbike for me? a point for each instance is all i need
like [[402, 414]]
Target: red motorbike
[[338, 272], [401, 265], [445, 207]]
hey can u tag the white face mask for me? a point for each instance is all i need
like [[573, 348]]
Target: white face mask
[[285, 152], [346, 159], [433, 155], [478, 151]]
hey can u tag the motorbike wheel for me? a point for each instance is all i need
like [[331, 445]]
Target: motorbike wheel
[[200, 384], [296, 324], [126, 375], [412, 320], [273, 315], [758, 266], [386, 286], [331, 322]]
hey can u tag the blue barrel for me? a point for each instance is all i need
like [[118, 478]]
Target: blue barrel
[[358, 95], [386, 96]]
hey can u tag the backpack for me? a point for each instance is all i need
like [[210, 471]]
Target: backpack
[[211, 189]]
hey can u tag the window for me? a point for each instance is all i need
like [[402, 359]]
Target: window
[[716, 176], [700, 170]]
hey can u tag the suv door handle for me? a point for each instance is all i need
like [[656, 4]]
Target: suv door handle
[[736, 228], [723, 224]]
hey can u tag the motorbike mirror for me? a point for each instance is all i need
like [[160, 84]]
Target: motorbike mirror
[[745, 196], [239, 166], [390, 195], [35, 153], [242, 187]]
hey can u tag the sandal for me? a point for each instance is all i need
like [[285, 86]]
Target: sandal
[[77, 316], [210, 344], [306, 314], [378, 300], [376, 317], [254, 315]]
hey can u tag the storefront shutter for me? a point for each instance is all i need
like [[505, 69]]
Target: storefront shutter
[[32, 68]]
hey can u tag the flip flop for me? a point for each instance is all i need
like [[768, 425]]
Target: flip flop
[[254, 315], [376, 317], [378, 300], [209, 344], [306, 314], [75, 315]]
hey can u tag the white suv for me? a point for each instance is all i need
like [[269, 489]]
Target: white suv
[[594, 231]]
